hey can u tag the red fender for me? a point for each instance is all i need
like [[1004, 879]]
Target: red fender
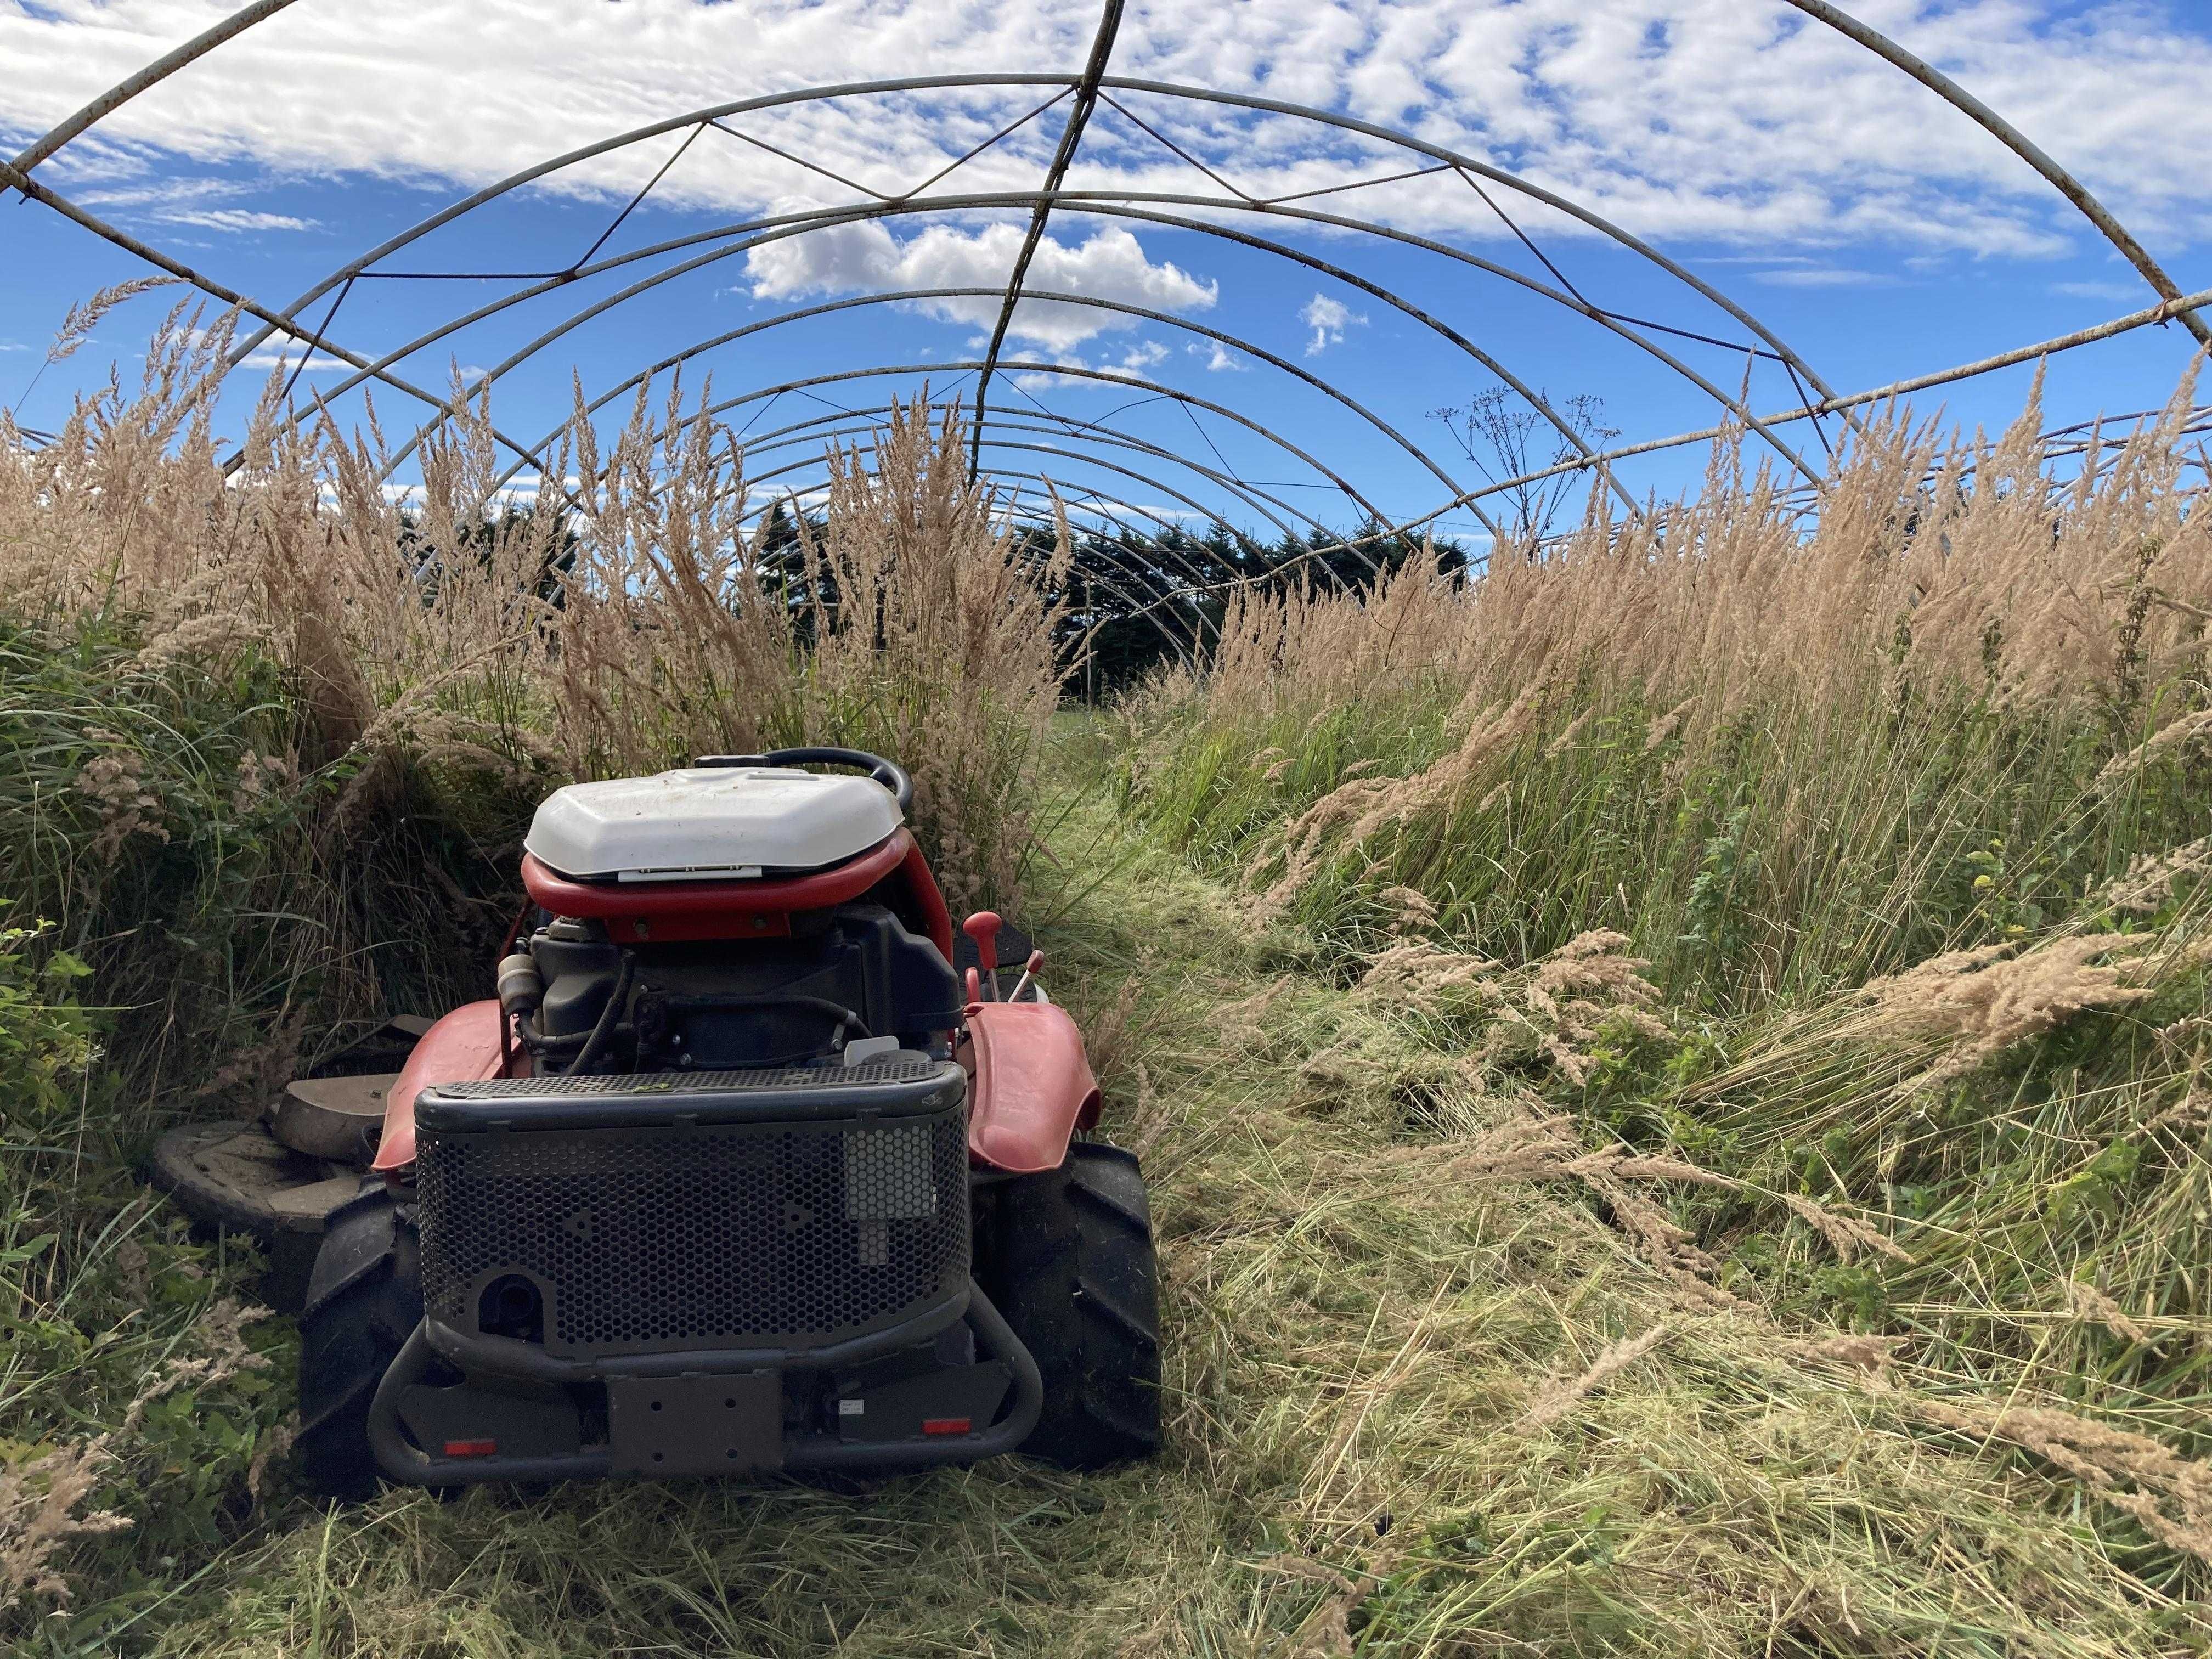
[[1032, 1086], [464, 1047]]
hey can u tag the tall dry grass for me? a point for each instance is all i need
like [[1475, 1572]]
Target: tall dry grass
[[268, 744], [1780, 756], [1935, 560], [504, 644]]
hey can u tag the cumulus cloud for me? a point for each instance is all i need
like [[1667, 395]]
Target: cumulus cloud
[[1328, 319], [1708, 119], [862, 259], [1139, 359]]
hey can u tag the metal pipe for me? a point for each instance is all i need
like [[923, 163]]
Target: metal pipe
[[401, 1458], [1006, 1436], [1046, 422], [2187, 305], [2015, 141], [12, 176], [947, 82], [1168, 319], [159, 70], [1226, 481], [1081, 201], [533, 347], [1078, 371], [1071, 136]]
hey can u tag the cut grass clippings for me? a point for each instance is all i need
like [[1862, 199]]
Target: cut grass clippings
[[1452, 1416]]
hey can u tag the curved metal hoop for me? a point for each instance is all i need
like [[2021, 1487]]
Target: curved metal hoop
[[1096, 444], [1012, 418], [2015, 141]]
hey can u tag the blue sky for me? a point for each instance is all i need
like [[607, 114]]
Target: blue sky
[[1864, 222]]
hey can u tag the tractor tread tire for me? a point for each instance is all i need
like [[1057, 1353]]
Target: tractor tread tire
[[363, 1303], [1070, 1265]]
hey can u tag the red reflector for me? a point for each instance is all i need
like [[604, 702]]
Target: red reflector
[[470, 1448], [944, 1425]]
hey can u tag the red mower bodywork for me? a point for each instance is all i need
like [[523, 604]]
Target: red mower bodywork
[[736, 1173], [1030, 1087]]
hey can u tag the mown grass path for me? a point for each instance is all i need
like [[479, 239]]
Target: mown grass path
[[1408, 1415]]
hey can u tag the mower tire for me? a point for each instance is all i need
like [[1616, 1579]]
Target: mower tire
[[1067, 1260], [364, 1301]]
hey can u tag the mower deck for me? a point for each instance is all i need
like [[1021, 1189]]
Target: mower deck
[[278, 1177]]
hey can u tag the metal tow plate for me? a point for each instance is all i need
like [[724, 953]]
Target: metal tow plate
[[677, 1425]]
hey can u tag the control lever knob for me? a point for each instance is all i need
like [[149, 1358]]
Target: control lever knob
[[982, 928]]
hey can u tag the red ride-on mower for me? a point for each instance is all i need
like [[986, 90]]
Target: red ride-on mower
[[736, 1174]]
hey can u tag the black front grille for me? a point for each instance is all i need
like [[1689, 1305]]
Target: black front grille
[[681, 1235], [867, 1074]]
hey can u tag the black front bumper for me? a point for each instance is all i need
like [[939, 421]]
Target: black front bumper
[[750, 1434], [691, 1273]]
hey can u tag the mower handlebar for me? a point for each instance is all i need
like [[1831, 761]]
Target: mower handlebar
[[890, 773]]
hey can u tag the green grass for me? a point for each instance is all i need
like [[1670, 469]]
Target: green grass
[[1779, 852], [1353, 1344]]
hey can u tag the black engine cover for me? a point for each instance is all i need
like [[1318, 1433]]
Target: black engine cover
[[720, 1005]]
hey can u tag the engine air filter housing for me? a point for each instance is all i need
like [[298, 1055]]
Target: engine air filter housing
[[699, 823]]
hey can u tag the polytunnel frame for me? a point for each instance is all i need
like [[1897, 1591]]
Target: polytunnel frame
[[1085, 92], [360, 267], [1014, 418]]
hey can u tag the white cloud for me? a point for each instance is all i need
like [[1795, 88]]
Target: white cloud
[[1138, 360], [1328, 319], [235, 219], [271, 356], [13, 345], [161, 193], [1219, 361], [1684, 120], [2137, 294], [188, 201], [1110, 264], [1821, 277]]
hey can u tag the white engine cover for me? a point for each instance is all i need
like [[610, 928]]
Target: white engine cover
[[708, 823]]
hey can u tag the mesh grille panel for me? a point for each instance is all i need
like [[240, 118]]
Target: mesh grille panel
[[656, 1239], [692, 1083]]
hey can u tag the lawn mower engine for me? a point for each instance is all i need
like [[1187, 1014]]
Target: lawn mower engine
[[737, 1173]]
